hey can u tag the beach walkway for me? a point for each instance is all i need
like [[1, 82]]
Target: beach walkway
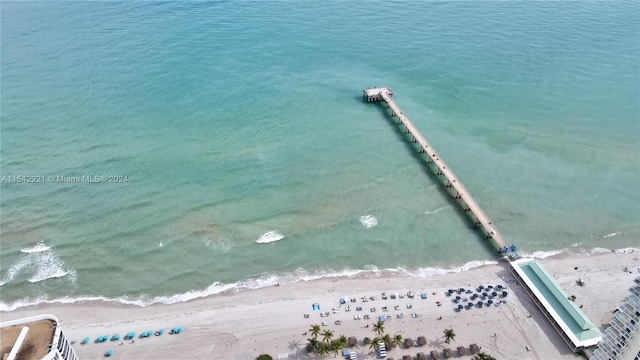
[[451, 181]]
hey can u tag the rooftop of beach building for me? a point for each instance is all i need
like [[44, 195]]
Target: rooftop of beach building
[[573, 322], [36, 343]]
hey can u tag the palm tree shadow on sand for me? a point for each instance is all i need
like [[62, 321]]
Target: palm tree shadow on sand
[[437, 343], [294, 345]]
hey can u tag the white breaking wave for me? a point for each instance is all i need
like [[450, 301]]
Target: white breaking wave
[[265, 280], [39, 263], [48, 275], [542, 254], [612, 234], [39, 247], [434, 211], [270, 236], [15, 269], [368, 221]]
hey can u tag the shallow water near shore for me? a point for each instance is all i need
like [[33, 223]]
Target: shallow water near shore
[[250, 158]]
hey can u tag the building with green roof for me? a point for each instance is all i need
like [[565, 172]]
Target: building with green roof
[[575, 328]]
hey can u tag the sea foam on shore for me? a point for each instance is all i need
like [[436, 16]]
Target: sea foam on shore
[[298, 275]]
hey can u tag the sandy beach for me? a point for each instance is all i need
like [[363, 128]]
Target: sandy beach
[[271, 320]]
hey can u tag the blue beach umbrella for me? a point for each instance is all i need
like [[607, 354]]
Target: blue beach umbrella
[[504, 293], [480, 303], [499, 286], [108, 353], [470, 304], [85, 340], [460, 307], [494, 294], [489, 302], [115, 336]]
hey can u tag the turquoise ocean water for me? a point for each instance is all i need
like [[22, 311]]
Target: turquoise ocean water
[[239, 122]]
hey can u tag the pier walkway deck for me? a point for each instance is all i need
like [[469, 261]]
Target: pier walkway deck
[[461, 194]]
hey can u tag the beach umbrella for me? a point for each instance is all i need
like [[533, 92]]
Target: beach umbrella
[[108, 353], [490, 287], [460, 307], [484, 294], [353, 341], [458, 298], [499, 286], [115, 336], [489, 302], [480, 303], [470, 304], [504, 293], [85, 340], [159, 332], [494, 294]]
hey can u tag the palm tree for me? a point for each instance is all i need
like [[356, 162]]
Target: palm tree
[[449, 335], [327, 335], [323, 349], [387, 340], [315, 330], [336, 346], [343, 341], [312, 344], [378, 328], [374, 343], [397, 339], [483, 356]]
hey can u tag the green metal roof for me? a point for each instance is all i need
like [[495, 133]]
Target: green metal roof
[[573, 317]]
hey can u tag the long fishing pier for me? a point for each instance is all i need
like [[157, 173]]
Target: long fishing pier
[[457, 189]]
